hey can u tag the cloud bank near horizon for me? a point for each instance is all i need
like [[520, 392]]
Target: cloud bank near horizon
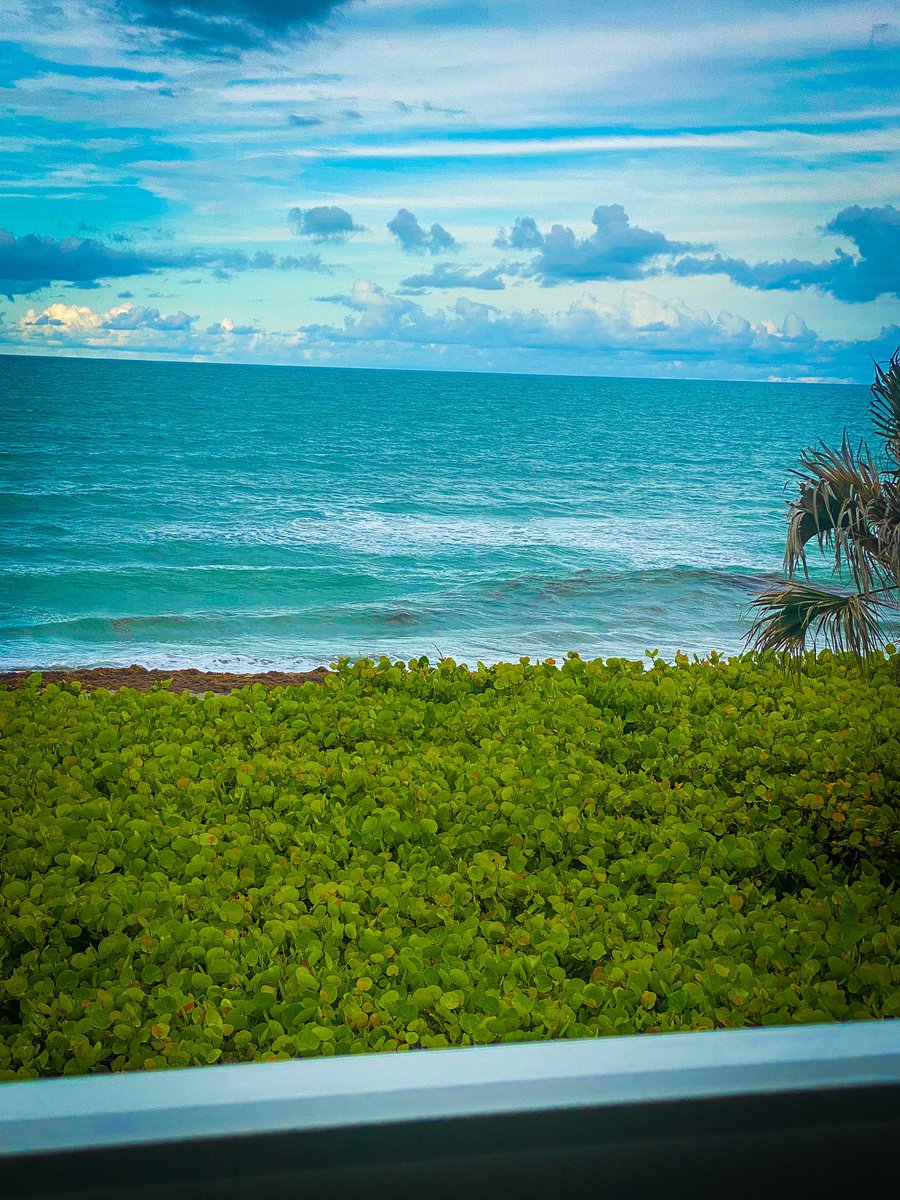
[[638, 335]]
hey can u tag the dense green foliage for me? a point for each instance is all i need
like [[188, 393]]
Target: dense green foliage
[[421, 856]]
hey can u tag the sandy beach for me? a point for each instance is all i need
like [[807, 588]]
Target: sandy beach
[[143, 680]]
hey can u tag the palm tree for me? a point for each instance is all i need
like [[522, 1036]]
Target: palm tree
[[852, 509]]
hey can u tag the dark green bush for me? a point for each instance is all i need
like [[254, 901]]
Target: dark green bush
[[430, 856]]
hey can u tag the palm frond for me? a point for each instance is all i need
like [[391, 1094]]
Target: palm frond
[[885, 406], [851, 508], [791, 612], [840, 491], [886, 514]]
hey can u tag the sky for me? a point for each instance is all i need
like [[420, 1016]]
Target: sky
[[708, 190]]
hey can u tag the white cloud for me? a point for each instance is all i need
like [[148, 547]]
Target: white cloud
[[638, 335], [638, 322], [80, 321], [126, 329], [789, 143]]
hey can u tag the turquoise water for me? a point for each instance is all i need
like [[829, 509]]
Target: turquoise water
[[250, 517]]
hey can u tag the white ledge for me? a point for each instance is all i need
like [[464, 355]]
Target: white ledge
[[170, 1106]]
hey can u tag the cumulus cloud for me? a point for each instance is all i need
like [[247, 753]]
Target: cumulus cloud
[[447, 275], [227, 326], [139, 317], [30, 262], [136, 331], [228, 27], [414, 239], [524, 235], [638, 335], [265, 260], [615, 250], [324, 223], [638, 322], [872, 272], [789, 275], [619, 250], [81, 320]]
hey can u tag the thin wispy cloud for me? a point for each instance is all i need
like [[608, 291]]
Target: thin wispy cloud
[[777, 141], [227, 28]]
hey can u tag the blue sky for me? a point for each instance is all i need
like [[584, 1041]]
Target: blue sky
[[517, 186]]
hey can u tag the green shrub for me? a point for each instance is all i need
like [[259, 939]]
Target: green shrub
[[416, 856]]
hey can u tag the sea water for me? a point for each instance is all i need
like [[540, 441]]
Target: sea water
[[254, 517]]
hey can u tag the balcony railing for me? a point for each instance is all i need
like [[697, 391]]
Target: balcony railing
[[807, 1110]]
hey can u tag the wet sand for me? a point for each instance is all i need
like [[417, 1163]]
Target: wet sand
[[143, 680]]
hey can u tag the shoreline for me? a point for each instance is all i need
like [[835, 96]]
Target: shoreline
[[143, 679], [198, 682]]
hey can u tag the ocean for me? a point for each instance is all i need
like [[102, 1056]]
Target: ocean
[[251, 517]]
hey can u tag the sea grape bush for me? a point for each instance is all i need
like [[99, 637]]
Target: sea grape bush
[[418, 856]]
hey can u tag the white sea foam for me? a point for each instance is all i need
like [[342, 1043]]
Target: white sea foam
[[287, 518]]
